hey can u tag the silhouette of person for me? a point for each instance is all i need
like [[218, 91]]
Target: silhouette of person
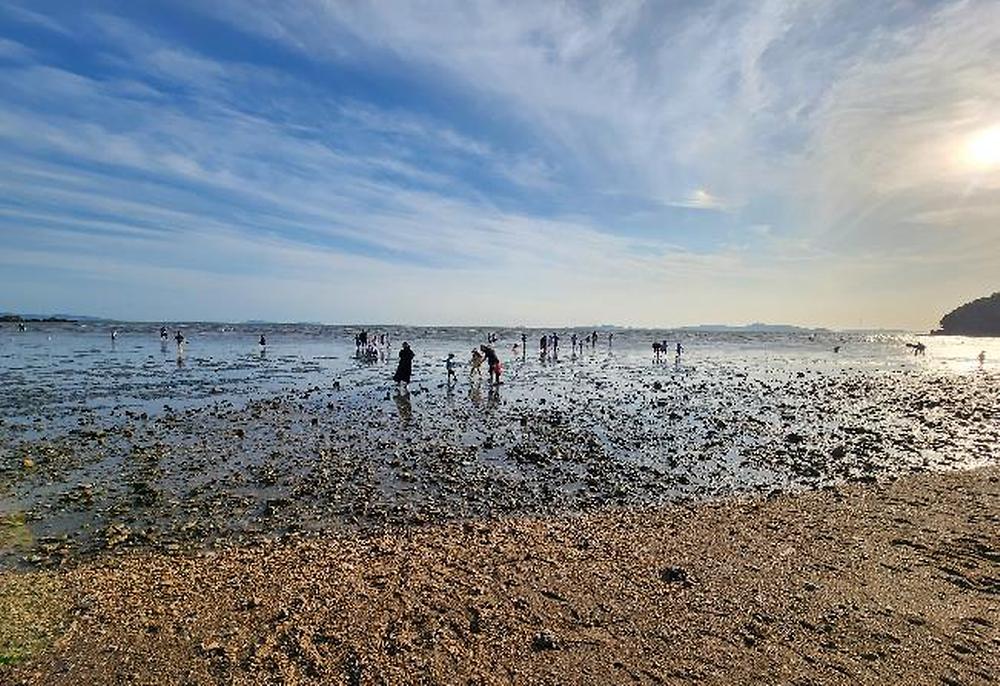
[[492, 363], [404, 370]]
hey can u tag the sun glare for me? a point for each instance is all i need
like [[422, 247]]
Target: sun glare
[[982, 150]]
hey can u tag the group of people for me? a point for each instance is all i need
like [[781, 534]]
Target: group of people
[[371, 347], [164, 335], [661, 350], [487, 353], [548, 347]]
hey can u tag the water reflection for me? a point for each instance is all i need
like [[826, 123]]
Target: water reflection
[[403, 406]]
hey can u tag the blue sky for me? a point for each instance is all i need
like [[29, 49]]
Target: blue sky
[[824, 163]]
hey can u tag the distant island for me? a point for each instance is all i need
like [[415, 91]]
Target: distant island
[[981, 317], [18, 318]]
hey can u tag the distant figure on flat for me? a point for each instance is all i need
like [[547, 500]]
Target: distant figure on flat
[[163, 333], [982, 358], [404, 370], [114, 335], [677, 354], [611, 339], [263, 341], [449, 365], [179, 338], [657, 348]]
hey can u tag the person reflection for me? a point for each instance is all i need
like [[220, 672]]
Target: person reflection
[[403, 405], [493, 398], [476, 393]]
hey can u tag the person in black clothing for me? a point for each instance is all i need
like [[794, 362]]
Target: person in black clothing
[[493, 362], [404, 370]]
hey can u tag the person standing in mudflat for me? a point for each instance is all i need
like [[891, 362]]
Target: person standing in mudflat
[[404, 370], [475, 365], [493, 363]]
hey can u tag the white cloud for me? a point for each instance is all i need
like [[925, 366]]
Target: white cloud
[[837, 123], [699, 199]]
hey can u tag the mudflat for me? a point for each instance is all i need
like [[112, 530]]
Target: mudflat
[[894, 582]]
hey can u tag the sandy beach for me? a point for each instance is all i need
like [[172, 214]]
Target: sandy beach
[[864, 583]]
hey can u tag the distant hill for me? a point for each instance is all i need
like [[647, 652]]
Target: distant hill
[[11, 317], [756, 327], [980, 317]]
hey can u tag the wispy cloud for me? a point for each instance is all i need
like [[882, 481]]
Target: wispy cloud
[[746, 155], [699, 199]]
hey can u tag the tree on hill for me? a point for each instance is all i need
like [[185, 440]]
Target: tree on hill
[[981, 317]]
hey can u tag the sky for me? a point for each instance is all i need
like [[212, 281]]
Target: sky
[[822, 163]]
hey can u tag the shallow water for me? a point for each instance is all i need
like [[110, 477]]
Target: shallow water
[[138, 443], [62, 371]]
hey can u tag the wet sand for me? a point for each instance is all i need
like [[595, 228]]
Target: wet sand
[[893, 582]]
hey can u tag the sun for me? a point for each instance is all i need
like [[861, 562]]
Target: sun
[[982, 150]]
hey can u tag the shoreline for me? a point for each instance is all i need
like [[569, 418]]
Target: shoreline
[[856, 584]]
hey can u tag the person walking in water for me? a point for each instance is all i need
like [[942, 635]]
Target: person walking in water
[[657, 347], [179, 338], [449, 366], [611, 339], [982, 358], [492, 363], [404, 370], [677, 353], [262, 342], [543, 346], [163, 333]]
